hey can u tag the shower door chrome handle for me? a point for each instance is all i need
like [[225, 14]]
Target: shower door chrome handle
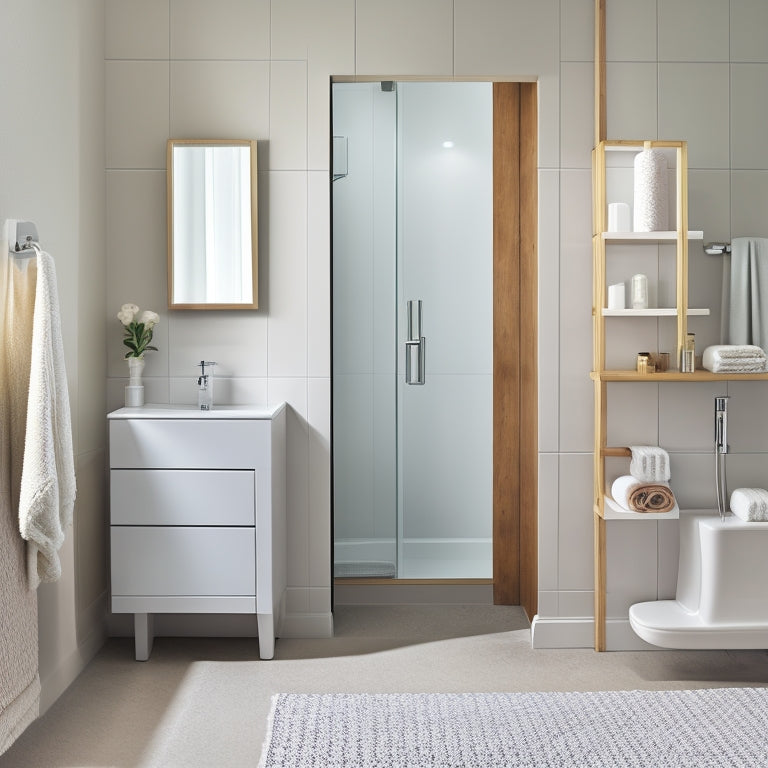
[[415, 345]]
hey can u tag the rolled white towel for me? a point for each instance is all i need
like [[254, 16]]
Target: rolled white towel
[[650, 463], [733, 358], [750, 504]]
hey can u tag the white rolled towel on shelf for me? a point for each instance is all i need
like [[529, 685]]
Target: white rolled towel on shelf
[[750, 504], [734, 358], [650, 463]]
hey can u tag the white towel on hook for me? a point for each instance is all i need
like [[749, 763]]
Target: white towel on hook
[[47, 495], [649, 463]]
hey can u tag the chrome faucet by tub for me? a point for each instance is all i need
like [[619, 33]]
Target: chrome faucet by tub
[[721, 449]]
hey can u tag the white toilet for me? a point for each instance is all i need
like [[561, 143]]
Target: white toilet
[[722, 587]]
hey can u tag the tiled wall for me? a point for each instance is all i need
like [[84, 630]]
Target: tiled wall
[[678, 69]]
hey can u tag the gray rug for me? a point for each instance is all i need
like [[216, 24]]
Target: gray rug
[[610, 729]]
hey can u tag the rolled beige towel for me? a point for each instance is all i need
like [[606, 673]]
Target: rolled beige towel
[[636, 496]]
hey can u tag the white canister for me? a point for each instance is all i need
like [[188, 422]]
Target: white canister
[[639, 292], [618, 217], [650, 188], [616, 296]]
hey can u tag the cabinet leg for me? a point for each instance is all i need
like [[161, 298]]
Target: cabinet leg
[[144, 636], [266, 623]]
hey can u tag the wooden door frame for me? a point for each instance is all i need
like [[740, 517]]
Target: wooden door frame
[[515, 346]]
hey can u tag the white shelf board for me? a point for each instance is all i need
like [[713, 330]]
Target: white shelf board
[[648, 238], [655, 312], [613, 511]]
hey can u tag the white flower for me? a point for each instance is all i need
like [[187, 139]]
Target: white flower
[[149, 318], [125, 316]]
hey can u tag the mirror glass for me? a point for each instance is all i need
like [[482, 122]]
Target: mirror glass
[[212, 224]]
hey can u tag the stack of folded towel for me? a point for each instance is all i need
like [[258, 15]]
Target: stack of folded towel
[[735, 358], [750, 504], [646, 488]]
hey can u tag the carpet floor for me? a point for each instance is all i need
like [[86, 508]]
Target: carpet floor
[[620, 729]]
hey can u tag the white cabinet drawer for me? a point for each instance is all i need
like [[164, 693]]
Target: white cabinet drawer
[[183, 561], [182, 497], [189, 443]]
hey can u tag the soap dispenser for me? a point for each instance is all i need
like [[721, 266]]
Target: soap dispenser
[[205, 386]]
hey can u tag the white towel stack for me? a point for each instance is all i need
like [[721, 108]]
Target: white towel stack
[[649, 463], [735, 358], [750, 504]]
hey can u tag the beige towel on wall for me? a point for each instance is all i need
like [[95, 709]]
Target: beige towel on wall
[[19, 678]]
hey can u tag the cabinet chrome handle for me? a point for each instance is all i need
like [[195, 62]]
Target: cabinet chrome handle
[[415, 345]]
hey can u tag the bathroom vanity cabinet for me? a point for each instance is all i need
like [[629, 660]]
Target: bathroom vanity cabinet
[[197, 515]]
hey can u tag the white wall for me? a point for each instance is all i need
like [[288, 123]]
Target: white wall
[[691, 69], [51, 172]]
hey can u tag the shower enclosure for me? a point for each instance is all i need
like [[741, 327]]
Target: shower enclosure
[[412, 329]]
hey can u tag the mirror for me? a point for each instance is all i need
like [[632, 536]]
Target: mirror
[[212, 224]]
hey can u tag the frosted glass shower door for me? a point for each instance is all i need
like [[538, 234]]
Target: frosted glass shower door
[[445, 225]]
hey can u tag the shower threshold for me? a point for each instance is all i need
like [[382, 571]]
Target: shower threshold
[[364, 570]]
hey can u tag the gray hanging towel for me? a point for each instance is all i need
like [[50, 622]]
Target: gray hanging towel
[[745, 293]]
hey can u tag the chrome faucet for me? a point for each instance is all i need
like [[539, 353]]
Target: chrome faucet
[[721, 449], [205, 386]]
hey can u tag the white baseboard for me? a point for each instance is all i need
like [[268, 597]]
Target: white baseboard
[[579, 632], [307, 625]]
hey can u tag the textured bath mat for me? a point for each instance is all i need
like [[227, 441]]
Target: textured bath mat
[[610, 729]]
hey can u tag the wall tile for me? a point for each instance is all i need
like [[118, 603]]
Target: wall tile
[[577, 30], [287, 274], [632, 100], [685, 415], [404, 38], [748, 470], [549, 479], [575, 532], [577, 84], [693, 480], [319, 418], [226, 29], [547, 603], [747, 416], [693, 30], [549, 310], [294, 392], [220, 100], [227, 390], [749, 191], [668, 549], [576, 421], [506, 37], [749, 111], [288, 115], [136, 261], [630, 32], [236, 341], [324, 36], [686, 95], [631, 565], [136, 113], [549, 120], [136, 29], [576, 603], [749, 20], [632, 414], [319, 275]]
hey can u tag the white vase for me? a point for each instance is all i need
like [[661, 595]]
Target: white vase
[[134, 392]]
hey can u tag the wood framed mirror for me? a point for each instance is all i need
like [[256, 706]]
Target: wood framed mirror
[[212, 224]]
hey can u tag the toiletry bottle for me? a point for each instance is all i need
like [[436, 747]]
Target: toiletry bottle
[[639, 292], [689, 354]]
